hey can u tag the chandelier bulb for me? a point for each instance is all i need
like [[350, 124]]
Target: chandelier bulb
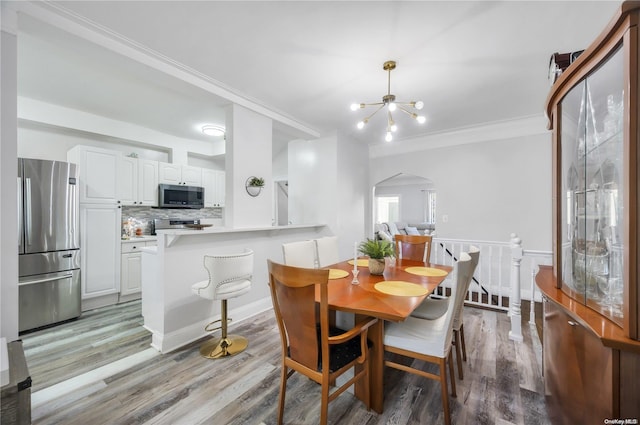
[[418, 105], [421, 119], [388, 137], [361, 125], [393, 128], [392, 106], [356, 106]]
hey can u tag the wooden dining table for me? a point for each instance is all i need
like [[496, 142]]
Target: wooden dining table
[[364, 300]]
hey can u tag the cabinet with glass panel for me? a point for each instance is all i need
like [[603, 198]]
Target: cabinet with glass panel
[[593, 109]]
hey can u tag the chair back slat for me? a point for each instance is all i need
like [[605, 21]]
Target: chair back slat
[[327, 248], [413, 247]]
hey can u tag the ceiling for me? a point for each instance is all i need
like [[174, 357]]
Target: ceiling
[[471, 62]]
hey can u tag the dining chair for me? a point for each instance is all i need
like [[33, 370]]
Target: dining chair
[[309, 345], [230, 276], [413, 247], [327, 249], [433, 308], [300, 254], [430, 340]]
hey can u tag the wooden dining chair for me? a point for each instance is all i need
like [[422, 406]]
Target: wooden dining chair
[[430, 340], [433, 308], [309, 345], [300, 254], [413, 247]]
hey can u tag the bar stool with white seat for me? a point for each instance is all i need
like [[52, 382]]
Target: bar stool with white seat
[[229, 277], [327, 249], [300, 254]]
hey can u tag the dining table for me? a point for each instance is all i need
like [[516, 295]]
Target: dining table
[[391, 296]]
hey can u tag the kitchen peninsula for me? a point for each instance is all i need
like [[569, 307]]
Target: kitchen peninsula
[[176, 316]]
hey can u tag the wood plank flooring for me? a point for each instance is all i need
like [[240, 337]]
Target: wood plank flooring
[[502, 379]]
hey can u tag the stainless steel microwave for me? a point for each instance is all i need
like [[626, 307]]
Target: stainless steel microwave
[[177, 196]]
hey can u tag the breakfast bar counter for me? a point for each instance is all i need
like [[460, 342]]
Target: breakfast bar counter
[[172, 312]]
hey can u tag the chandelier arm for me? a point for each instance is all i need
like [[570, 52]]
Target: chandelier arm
[[411, 114], [373, 104], [374, 112], [389, 120]]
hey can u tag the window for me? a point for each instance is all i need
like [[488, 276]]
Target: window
[[430, 206], [387, 209]]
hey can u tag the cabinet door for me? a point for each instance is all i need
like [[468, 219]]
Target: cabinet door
[[147, 182], [191, 176], [100, 249], [209, 185], [98, 173], [130, 273], [576, 368], [220, 188], [169, 173], [127, 179]]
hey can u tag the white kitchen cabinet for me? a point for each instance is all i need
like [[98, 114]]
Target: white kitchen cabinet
[[100, 249], [130, 268], [98, 173], [179, 174], [137, 181], [213, 183]]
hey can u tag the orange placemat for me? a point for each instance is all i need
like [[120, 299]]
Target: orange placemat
[[337, 273], [426, 271], [401, 288], [362, 262]]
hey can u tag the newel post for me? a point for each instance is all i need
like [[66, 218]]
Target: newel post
[[515, 333]]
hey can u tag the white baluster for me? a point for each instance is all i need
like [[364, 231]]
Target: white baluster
[[514, 303]]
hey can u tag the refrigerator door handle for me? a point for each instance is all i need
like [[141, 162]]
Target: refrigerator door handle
[[27, 207], [20, 212], [48, 279]]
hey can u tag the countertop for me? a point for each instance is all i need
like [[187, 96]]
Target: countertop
[[214, 229], [143, 238]]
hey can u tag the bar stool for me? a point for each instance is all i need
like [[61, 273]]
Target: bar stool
[[229, 277]]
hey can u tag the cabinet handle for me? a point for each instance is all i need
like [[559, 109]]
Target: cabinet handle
[[572, 323]]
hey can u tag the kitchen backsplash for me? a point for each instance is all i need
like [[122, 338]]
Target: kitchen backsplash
[[142, 217]]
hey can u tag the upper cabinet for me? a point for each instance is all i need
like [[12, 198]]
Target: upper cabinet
[[179, 174], [213, 182], [138, 181], [98, 182], [593, 111]]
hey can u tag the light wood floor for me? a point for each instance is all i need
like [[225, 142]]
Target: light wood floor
[[502, 379]]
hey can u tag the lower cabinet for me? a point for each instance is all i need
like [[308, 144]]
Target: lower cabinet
[[130, 269], [585, 381]]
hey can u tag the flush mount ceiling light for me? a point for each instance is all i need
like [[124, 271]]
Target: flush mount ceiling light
[[389, 100], [213, 130]]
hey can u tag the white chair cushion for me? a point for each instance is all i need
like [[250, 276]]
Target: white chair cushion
[[431, 308], [327, 249], [229, 276], [393, 229], [300, 254], [429, 337]]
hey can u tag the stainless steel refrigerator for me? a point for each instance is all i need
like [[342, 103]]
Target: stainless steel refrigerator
[[49, 242]]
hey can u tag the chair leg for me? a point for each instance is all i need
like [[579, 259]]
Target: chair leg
[[464, 348], [226, 345], [445, 391], [283, 391], [456, 336], [452, 377], [324, 403]]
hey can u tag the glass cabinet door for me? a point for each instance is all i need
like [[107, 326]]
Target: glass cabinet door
[[592, 189]]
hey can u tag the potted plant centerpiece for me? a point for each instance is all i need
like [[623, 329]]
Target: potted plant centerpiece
[[377, 251]]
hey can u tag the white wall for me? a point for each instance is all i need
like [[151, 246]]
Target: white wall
[[8, 176], [487, 189]]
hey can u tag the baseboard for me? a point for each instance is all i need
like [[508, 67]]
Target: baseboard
[[97, 302], [165, 343]]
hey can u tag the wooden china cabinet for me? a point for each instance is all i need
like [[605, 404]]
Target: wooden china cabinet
[[591, 294]]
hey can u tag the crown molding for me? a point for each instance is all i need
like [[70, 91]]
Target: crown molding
[[73, 23], [499, 130]]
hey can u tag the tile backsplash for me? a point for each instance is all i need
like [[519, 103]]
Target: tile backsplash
[[142, 217]]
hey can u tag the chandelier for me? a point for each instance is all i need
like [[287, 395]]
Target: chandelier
[[389, 100]]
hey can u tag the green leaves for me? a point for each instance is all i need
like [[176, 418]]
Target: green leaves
[[377, 249]]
